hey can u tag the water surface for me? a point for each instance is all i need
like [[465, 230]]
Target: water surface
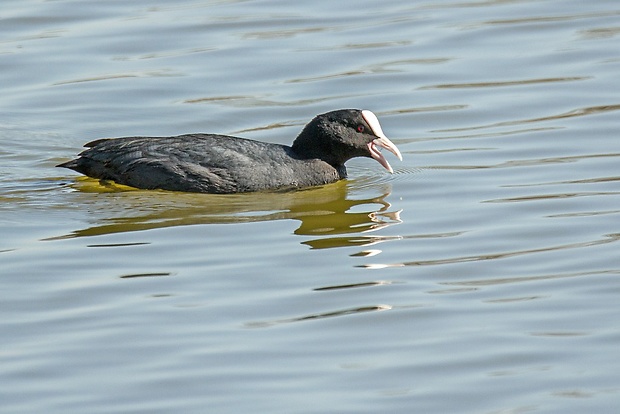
[[481, 277]]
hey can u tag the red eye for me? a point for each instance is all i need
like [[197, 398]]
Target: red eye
[[360, 128]]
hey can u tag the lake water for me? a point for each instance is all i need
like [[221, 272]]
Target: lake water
[[483, 276]]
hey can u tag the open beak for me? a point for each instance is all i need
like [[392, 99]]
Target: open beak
[[375, 153], [381, 141]]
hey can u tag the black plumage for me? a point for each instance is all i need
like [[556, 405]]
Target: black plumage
[[210, 163]]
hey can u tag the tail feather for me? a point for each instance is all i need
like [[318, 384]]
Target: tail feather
[[73, 164], [78, 164], [89, 167]]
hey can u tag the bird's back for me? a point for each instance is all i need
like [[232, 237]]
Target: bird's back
[[200, 163]]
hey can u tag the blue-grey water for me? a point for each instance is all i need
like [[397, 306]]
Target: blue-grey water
[[483, 276]]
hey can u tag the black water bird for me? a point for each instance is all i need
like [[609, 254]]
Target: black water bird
[[211, 163]]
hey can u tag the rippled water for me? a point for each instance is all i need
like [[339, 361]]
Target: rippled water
[[482, 277]]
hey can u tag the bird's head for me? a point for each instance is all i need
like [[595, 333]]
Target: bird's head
[[338, 136]]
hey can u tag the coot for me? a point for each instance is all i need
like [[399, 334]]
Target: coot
[[210, 163]]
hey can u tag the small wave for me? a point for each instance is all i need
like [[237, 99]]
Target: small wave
[[363, 178], [330, 314]]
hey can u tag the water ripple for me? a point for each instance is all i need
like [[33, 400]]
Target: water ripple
[[355, 285], [528, 162], [114, 76], [540, 197], [540, 19], [323, 315], [591, 110], [609, 238], [528, 278], [504, 83]]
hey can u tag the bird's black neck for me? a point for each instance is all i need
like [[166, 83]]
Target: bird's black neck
[[312, 143]]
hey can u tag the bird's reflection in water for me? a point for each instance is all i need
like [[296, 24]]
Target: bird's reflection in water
[[335, 214]]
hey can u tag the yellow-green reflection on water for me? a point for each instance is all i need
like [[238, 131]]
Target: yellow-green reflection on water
[[331, 210]]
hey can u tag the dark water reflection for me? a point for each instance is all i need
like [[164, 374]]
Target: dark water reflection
[[331, 314], [333, 210]]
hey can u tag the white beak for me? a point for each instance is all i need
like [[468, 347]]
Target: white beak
[[381, 141]]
